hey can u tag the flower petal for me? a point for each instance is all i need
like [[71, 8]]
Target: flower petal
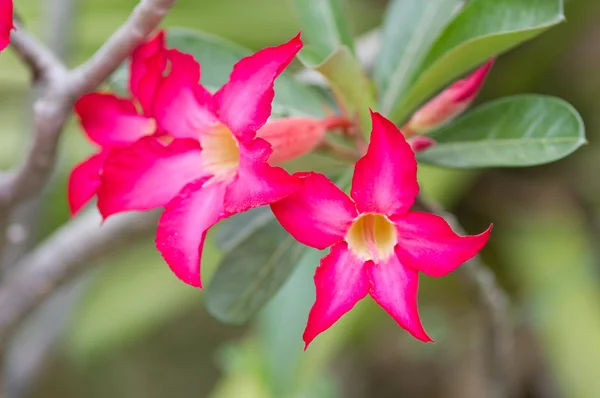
[[182, 228], [244, 102], [147, 175], [427, 244], [317, 215], [341, 281], [385, 179], [112, 121], [257, 183], [84, 181], [395, 287], [6, 22], [182, 107], [148, 62]]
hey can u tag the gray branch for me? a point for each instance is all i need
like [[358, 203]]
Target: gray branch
[[39, 273], [494, 305], [68, 251], [53, 107]]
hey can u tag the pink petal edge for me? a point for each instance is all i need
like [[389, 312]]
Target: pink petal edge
[[84, 181], [341, 281], [244, 103], [182, 107], [318, 214], [385, 179], [428, 244], [257, 183], [110, 121], [183, 226], [6, 22], [395, 288], [148, 62], [147, 175]]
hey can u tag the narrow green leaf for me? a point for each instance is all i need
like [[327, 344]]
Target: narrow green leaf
[[482, 29], [523, 130], [261, 257], [217, 57], [410, 29], [324, 25], [349, 83]]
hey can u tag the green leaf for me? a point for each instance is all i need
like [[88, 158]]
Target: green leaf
[[482, 29], [349, 83], [324, 25], [261, 257], [217, 57], [523, 130], [410, 29]]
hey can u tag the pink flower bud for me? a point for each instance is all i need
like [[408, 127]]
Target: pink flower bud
[[420, 143], [293, 137], [448, 104]]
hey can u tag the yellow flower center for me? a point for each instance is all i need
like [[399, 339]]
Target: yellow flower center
[[372, 236], [220, 153]]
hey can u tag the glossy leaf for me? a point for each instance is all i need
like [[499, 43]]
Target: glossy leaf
[[482, 29], [349, 83], [261, 257], [217, 57], [410, 29], [324, 26], [523, 130]]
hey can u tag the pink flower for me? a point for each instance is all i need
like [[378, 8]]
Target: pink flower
[[111, 122], [449, 103], [292, 137], [378, 245], [6, 22], [215, 166]]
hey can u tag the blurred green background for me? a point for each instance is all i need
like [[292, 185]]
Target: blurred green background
[[133, 330]]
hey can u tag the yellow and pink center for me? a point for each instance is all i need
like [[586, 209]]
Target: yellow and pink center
[[372, 236], [220, 153]]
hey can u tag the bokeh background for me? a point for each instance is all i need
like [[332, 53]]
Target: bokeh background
[[128, 328]]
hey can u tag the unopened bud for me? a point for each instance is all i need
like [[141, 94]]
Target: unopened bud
[[293, 137], [420, 143], [448, 104]]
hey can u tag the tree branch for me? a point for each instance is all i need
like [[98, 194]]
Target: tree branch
[[36, 275], [53, 107], [42, 62], [68, 251], [493, 301], [143, 20]]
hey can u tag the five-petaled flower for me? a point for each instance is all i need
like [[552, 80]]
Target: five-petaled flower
[[216, 166], [378, 246], [449, 103], [111, 122], [6, 22]]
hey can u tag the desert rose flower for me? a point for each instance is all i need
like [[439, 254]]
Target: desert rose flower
[[215, 167], [378, 245]]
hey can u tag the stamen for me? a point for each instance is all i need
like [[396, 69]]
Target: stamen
[[372, 237], [220, 153]]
